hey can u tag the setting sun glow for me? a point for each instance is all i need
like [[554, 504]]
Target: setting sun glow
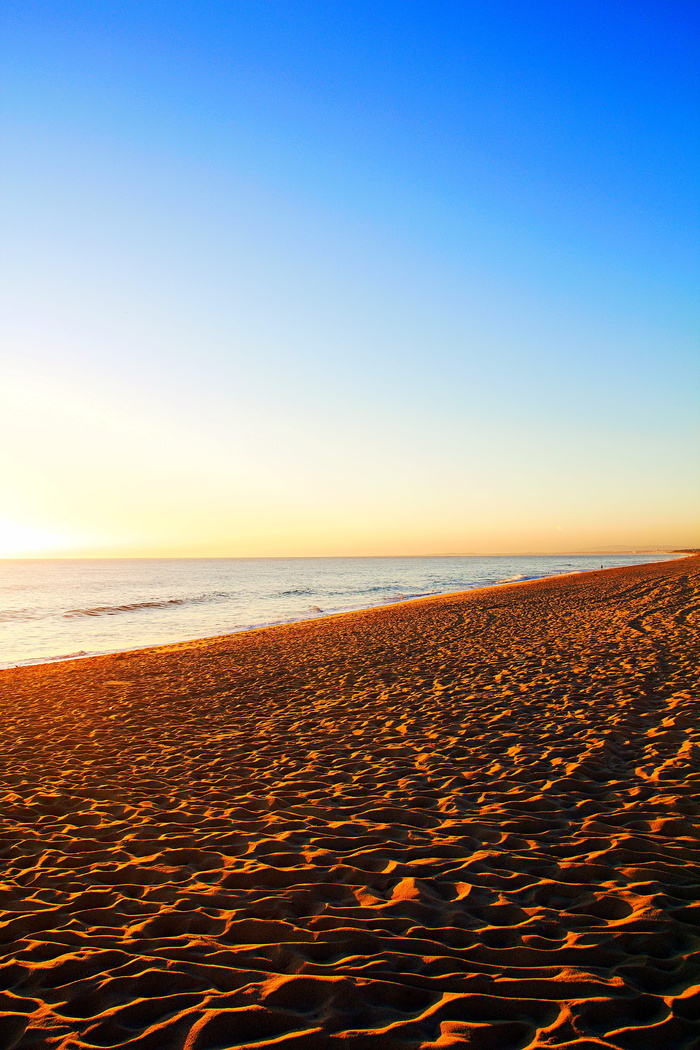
[[18, 540]]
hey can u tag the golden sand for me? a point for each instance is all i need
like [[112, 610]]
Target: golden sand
[[469, 821]]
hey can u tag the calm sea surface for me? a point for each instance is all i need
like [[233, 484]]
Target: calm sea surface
[[54, 609]]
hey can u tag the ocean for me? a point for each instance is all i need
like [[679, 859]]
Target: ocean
[[52, 610]]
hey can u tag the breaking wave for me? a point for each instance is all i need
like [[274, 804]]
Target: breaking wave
[[113, 610]]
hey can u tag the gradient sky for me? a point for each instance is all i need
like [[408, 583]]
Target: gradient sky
[[291, 277]]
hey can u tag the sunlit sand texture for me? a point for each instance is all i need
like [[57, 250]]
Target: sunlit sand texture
[[467, 821]]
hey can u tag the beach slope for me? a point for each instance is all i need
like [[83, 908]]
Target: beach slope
[[468, 821]]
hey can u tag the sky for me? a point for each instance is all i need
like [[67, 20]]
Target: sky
[[336, 277]]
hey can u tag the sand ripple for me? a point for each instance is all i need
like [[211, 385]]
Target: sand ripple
[[470, 822]]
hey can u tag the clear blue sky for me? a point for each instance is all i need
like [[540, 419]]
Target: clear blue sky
[[345, 277]]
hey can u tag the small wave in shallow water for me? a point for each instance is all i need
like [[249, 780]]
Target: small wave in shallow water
[[113, 610]]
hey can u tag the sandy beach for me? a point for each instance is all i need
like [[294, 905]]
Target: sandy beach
[[468, 821]]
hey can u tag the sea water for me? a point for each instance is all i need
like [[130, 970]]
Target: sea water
[[53, 610]]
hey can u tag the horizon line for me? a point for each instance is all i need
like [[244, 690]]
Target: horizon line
[[602, 551]]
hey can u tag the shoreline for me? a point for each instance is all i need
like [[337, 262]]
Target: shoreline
[[80, 655]]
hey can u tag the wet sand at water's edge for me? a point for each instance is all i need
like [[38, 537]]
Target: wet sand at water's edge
[[468, 821]]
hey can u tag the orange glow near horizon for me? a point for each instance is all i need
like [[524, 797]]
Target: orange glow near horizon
[[101, 473]]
